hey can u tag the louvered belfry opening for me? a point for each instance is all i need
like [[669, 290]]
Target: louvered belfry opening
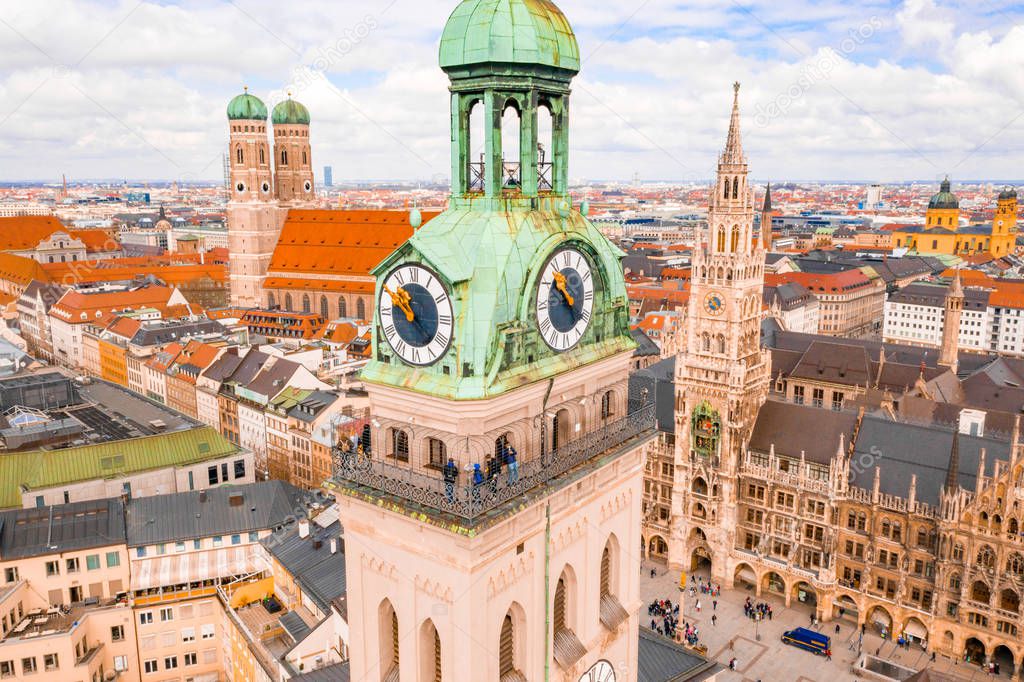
[[506, 651], [559, 611], [606, 561], [389, 644], [437, 656]]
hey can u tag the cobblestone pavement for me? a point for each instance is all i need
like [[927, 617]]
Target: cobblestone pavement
[[761, 655]]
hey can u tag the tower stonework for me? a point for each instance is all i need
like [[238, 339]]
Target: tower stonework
[[501, 329], [722, 374], [254, 217], [293, 156], [950, 352]]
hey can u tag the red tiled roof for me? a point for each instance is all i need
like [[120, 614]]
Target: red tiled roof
[[20, 270], [833, 282], [21, 233], [338, 242]]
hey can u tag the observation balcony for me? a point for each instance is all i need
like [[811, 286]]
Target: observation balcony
[[424, 491]]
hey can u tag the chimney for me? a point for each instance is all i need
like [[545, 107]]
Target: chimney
[[304, 528], [334, 545]]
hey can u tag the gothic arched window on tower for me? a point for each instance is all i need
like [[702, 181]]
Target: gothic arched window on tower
[[262, 157], [726, 194], [507, 667], [430, 645], [388, 641], [706, 342], [239, 157], [305, 303], [735, 241], [360, 309], [735, 187], [304, 157], [270, 300], [284, 157], [342, 312], [324, 310], [721, 344], [288, 302], [475, 144], [607, 404], [721, 239]]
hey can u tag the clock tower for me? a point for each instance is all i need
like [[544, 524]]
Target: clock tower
[[492, 511], [722, 374]]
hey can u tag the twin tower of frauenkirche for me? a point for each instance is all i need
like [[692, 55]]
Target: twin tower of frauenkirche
[[264, 186]]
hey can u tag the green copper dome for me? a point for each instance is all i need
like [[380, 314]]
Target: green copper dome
[[1008, 193], [528, 32], [945, 198], [246, 107], [290, 112]]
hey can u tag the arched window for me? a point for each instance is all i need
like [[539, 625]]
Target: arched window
[[430, 653], [389, 639], [735, 187], [735, 241], [304, 162], [507, 653], [270, 300], [360, 309], [721, 344], [958, 552], [567, 647], [607, 404], [305, 303], [986, 557], [706, 342], [324, 309], [501, 443], [438, 452], [721, 239], [954, 582], [262, 158], [341, 308], [239, 157], [284, 157], [288, 302], [727, 185], [511, 129], [400, 445]]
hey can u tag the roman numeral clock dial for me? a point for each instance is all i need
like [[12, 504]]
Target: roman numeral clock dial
[[415, 313], [565, 299]]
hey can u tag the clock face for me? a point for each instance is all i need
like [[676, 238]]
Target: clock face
[[601, 672], [714, 303], [415, 313], [565, 299]]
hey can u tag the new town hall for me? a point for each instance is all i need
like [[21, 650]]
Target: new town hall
[[872, 482]]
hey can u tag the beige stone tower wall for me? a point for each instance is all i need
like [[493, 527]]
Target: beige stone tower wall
[[254, 219], [293, 164]]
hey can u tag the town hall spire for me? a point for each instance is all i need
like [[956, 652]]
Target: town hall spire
[[733, 153]]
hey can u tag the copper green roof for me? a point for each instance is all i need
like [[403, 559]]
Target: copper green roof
[[247, 107], [492, 260], [533, 32], [41, 469], [945, 199], [1008, 193], [290, 112]]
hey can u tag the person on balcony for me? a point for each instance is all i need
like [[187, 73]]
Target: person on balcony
[[493, 471], [478, 480], [511, 458], [451, 477]]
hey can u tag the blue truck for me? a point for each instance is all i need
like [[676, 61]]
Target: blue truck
[[808, 640]]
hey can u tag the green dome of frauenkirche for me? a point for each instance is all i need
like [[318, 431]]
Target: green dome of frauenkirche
[[247, 107], [290, 112], [1008, 193], [526, 32], [945, 198]]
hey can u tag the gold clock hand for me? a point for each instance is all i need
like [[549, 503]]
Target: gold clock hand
[[401, 298], [560, 285]]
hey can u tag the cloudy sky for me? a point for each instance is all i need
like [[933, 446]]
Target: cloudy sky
[[866, 90]]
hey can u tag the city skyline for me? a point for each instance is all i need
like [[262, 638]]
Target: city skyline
[[138, 90]]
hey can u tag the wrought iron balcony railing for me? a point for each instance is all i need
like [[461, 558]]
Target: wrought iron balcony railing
[[471, 502]]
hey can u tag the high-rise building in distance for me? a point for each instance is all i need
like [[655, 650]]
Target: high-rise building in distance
[[328, 176]]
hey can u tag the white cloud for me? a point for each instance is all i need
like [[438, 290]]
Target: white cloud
[[115, 88]]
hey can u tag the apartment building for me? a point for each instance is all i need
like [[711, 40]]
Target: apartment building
[[851, 304]]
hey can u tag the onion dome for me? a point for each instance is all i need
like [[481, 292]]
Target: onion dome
[[290, 112], [945, 198], [1008, 193], [511, 32], [247, 107]]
